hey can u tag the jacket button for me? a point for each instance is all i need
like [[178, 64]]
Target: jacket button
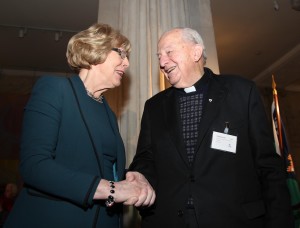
[[180, 213]]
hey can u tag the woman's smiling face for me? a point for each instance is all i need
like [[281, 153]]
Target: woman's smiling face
[[112, 69]]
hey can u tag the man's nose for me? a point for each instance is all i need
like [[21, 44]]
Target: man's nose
[[162, 61]]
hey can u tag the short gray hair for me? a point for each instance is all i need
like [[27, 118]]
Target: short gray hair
[[193, 36]]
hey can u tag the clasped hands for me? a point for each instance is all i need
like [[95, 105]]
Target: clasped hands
[[134, 190], [141, 192]]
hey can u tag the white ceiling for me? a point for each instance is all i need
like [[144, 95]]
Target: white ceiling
[[252, 38]]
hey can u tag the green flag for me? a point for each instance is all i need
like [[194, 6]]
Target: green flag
[[282, 149]]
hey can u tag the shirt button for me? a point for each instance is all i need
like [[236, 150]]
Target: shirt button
[[180, 213]]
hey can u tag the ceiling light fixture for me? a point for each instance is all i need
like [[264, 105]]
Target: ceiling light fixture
[[275, 5], [22, 32], [57, 35]]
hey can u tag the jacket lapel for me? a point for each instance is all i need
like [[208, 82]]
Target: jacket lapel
[[119, 168], [216, 94], [79, 89], [172, 118]]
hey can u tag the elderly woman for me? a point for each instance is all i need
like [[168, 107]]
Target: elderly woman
[[72, 154]]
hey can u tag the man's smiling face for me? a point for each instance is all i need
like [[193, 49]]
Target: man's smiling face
[[176, 58]]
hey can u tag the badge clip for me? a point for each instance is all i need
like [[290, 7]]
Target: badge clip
[[226, 129]]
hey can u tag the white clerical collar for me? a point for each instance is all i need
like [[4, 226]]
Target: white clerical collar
[[190, 89]]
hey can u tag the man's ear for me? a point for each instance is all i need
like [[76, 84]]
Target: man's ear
[[198, 50]]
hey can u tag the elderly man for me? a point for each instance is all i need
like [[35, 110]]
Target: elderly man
[[206, 147]]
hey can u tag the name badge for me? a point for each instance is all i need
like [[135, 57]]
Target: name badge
[[225, 142]]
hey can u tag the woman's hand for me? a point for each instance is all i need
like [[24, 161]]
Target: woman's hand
[[135, 190]]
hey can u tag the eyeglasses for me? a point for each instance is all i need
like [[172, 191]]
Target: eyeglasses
[[121, 52]]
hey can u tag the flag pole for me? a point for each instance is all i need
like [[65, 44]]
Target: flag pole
[[277, 115]]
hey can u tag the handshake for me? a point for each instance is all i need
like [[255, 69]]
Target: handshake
[[134, 190]]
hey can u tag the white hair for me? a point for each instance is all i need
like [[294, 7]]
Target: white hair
[[193, 36]]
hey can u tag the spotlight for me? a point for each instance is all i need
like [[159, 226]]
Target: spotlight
[[275, 5], [22, 32], [57, 35]]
